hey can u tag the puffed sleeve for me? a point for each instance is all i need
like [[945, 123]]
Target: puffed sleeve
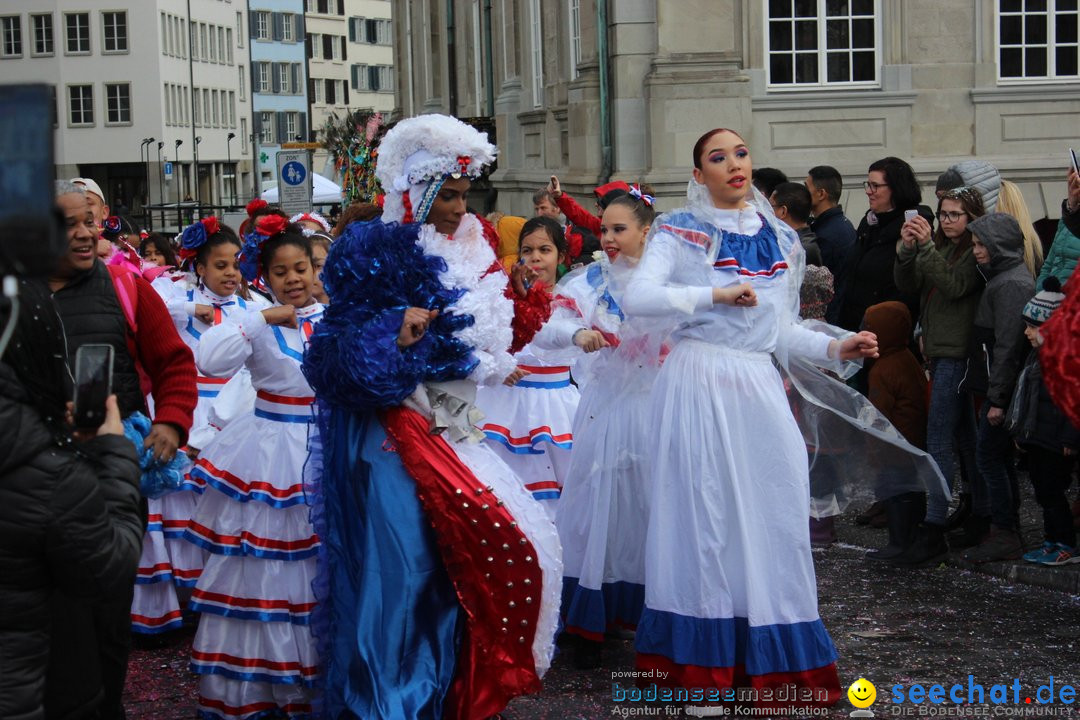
[[650, 291], [225, 348]]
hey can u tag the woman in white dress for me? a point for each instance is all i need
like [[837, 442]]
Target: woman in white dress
[[730, 596]]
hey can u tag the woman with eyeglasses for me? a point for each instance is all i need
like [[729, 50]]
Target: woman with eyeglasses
[[891, 188], [940, 267]]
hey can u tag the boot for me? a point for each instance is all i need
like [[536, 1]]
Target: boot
[[961, 513], [867, 516], [903, 512], [822, 532], [972, 532], [1002, 544], [928, 547]]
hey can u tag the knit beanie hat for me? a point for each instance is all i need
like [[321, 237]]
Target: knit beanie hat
[[1046, 301]]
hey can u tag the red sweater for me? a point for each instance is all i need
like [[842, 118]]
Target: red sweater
[[166, 360]]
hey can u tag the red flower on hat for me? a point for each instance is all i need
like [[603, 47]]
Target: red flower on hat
[[255, 205], [270, 225], [211, 224]]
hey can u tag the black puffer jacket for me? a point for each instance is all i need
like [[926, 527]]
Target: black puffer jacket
[[868, 275], [70, 531], [1033, 418]]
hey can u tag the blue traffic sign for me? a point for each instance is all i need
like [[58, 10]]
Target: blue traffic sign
[[293, 173], [168, 169]]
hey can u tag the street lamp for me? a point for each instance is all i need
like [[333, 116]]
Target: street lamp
[[179, 220], [145, 146], [198, 190], [232, 170], [161, 181]]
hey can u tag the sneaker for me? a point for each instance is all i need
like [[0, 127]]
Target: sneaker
[[1001, 545], [1036, 555], [1062, 555]]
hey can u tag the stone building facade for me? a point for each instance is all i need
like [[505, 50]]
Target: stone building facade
[[807, 82]]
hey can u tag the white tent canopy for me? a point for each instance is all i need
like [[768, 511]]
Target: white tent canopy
[[323, 191]]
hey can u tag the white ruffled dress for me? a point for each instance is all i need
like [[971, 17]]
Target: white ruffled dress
[[604, 509], [168, 566], [253, 647]]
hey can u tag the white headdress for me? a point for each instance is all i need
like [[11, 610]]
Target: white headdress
[[421, 152]]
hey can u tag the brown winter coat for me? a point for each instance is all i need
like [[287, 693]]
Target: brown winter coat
[[897, 381]]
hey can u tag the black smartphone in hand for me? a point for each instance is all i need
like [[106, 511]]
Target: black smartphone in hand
[[93, 385]]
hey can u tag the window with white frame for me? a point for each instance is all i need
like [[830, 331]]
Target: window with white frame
[[215, 111], [80, 105], [221, 44], [11, 32], [575, 37], [114, 32], [206, 50], [262, 25], [266, 128], [232, 108], [243, 83], [536, 52], [243, 136], [43, 34], [1038, 40], [77, 33], [196, 108], [166, 45], [184, 104], [264, 77], [821, 43], [213, 47], [194, 42], [168, 104], [386, 79], [288, 23], [283, 77], [361, 79], [319, 92], [207, 110], [292, 126], [117, 103], [239, 29], [229, 45]]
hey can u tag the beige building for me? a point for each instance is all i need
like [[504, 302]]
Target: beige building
[[807, 82], [350, 61]]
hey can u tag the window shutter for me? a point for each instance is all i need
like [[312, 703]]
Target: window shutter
[[369, 31], [327, 47], [352, 29], [311, 89], [275, 78], [345, 94], [256, 124], [352, 75], [302, 126], [344, 48], [279, 26], [255, 78], [253, 20], [340, 7], [373, 78], [298, 29], [308, 43], [331, 92], [281, 128], [294, 71]]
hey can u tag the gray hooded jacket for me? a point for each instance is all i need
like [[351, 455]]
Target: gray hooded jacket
[[999, 324]]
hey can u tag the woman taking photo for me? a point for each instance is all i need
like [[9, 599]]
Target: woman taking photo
[[939, 266], [891, 188]]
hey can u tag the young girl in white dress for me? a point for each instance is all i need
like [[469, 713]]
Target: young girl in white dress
[[253, 647], [730, 595], [604, 509], [169, 567], [528, 419]]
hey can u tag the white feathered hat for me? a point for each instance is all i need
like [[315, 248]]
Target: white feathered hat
[[418, 154]]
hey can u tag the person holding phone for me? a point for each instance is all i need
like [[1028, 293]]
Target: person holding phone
[[70, 523], [891, 189], [1065, 250], [107, 304]]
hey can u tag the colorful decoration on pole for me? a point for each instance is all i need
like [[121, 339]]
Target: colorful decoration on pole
[[353, 143]]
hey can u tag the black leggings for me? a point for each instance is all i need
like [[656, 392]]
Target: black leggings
[[1051, 474]]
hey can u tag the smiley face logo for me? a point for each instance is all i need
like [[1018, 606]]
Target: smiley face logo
[[862, 693]]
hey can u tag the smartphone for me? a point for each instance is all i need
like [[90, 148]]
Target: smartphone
[[93, 385], [1075, 164], [524, 281], [910, 215]]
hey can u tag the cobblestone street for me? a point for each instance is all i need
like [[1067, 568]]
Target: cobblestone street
[[890, 626]]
